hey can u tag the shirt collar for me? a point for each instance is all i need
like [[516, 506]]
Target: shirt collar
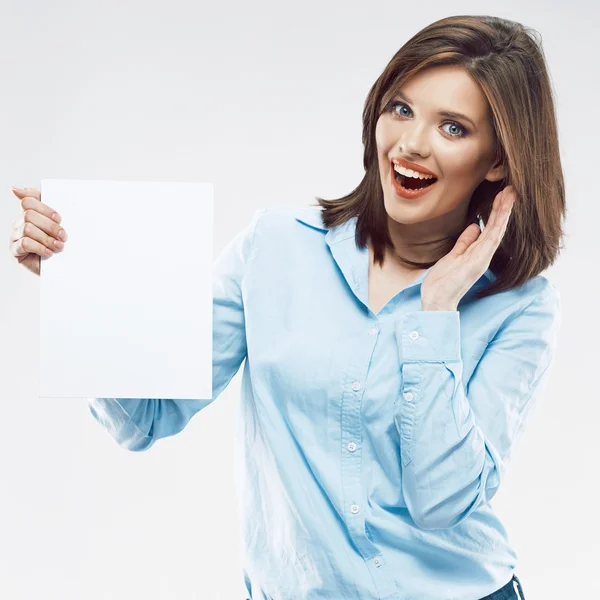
[[311, 216]]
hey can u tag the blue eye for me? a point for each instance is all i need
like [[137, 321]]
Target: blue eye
[[463, 130]]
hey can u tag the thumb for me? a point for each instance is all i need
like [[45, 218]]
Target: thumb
[[22, 192]]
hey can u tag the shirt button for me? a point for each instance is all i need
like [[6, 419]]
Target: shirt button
[[377, 561], [356, 386], [355, 508], [373, 331], [351, 446], [408, 396], [413, 335]]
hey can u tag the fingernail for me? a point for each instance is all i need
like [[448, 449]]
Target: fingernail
[[18, 189]]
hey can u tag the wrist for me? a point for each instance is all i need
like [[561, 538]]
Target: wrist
[[432, 305]]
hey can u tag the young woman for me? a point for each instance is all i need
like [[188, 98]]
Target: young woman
[[396, 341]]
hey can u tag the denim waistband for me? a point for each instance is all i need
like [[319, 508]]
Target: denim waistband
[[511, 591]]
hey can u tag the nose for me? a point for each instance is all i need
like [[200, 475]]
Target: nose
[[413, 141]]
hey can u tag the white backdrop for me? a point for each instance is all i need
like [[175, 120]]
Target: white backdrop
[[264, 100]]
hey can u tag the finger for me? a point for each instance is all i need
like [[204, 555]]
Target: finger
[[26, 245], [36, 195], [33, 203], [467, 237], [22, 192], [495, 218], [495, 234], [40, 228]]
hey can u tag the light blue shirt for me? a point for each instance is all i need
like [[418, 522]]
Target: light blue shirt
[[368, 446]]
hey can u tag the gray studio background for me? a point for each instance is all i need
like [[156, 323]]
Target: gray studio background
[[264, 100]]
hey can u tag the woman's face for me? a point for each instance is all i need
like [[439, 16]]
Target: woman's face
[[458, 152]]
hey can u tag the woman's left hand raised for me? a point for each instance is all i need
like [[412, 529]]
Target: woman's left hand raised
[[453, 275]]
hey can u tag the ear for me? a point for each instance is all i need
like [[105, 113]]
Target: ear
[[496, 173]]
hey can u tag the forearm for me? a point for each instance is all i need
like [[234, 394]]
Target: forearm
[[135, 424]]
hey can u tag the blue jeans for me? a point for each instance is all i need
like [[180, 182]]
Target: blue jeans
[[511, 591]]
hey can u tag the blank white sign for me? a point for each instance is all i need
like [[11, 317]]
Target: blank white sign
[[126, 306]]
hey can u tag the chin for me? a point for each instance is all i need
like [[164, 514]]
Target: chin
[[404, 211]]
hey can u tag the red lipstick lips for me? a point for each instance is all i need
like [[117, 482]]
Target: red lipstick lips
[[406, 193], [410, 165]]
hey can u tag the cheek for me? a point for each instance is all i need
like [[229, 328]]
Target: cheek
[[385, 136], [460, 162], [381, 141], [385, 147]]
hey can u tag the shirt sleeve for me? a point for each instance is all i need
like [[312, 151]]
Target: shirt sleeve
[[136, 423], [456, 440]]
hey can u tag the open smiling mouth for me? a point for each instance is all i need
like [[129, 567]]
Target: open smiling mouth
[[411, 187], [412, 183]]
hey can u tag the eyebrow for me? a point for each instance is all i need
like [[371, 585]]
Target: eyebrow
[[444, 113]]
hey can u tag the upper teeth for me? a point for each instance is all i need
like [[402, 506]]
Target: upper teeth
[[411, 173]]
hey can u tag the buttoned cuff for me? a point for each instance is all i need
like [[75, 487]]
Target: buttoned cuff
[[429, 336]]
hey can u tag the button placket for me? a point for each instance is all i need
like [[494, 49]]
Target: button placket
[[354, 386]]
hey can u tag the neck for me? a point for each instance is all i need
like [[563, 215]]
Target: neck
[[402, 235]]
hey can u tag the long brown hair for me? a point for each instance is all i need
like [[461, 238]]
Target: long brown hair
[[507, 61]]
